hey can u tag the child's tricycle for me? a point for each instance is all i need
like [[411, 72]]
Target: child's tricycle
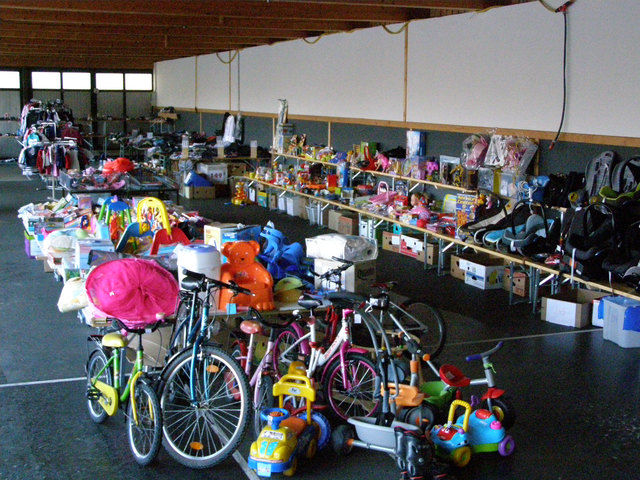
[[285, 438], [477, 431]]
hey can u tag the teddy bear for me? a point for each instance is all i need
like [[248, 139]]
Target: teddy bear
[[243, 269]]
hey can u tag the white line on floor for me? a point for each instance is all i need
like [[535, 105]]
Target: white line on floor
[[42, 382], [526, 337]]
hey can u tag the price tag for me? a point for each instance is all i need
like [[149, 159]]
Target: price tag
[[357, 318]]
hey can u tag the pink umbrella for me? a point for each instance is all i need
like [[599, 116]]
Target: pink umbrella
[[132, 290]]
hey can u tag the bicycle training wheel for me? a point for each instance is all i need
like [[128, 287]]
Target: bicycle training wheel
[[97, 361], [145, 436], [202, 431], [433, 334], [353, 394], [286, 338]]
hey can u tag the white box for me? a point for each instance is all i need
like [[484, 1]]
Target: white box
[[597, 313], [357, 278], [295, 206], [621, 321], [215, 172], [483, 272], [282, 204], [571, 309]]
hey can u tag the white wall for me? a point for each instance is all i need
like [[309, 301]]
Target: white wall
[[498, 68]]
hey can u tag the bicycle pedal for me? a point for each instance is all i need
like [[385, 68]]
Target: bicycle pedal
[[93, 393]]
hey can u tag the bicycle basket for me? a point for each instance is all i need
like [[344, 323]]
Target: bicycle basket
[[132, 290]]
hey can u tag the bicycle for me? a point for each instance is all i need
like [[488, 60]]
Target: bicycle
[[106, 395], [204, 394], [263, 377], [349, 378]]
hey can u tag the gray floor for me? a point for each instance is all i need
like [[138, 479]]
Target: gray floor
[[577, 395]]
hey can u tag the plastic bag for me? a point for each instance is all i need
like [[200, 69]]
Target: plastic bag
[[345, 247], [474, 150], [73, 296]]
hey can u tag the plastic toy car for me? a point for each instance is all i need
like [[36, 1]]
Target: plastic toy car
[[475, 432], [285, 438]]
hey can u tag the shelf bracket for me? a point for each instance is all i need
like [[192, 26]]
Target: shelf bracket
[[380, 222], [284, 192]]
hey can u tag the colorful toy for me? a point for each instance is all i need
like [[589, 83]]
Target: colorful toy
[[285, 437], [478, 431], [243, 269], [240, 195]]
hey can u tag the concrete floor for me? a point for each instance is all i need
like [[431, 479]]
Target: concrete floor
[[577, 396]]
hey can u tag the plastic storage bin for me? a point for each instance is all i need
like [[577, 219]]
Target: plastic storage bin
[[198, 258], [621, 321]]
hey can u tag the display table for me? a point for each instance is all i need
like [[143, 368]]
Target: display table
[[134, 186]]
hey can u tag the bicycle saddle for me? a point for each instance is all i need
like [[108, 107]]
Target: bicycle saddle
[[345, 299], [309, 303]]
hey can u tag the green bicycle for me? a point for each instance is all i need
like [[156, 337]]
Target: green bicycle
[[107, 391]]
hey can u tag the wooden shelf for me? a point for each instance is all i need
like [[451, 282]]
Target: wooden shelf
[[614, 289]]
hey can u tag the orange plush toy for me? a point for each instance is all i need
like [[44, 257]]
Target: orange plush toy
[[243, 269]]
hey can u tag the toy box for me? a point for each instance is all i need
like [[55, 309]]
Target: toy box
[[215, 191], [621, 317], [214, 172], [334, 219], [571, 309], [348, 224], [295, 206], [357, 278], [520, 282]]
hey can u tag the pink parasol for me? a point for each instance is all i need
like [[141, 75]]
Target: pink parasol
[[132, 290]]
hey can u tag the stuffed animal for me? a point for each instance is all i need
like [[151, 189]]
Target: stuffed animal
[[243, 269]]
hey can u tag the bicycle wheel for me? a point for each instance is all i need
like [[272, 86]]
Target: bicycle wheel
[[97, 360], [203, 431], [286, 338], [264, 399], [144, 436], [433, 334], [354, 394]]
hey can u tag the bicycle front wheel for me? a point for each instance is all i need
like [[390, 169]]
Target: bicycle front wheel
[[433, 330], [145, 435], [352, 393], [202, 431]]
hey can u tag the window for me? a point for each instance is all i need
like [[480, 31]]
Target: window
[[109, 81], [9, 79], [137, 81], [45, 80], [76, 80]]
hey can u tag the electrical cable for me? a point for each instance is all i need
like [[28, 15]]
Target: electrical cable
[[564, 82]]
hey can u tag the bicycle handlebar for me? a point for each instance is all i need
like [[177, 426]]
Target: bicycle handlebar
[[480, 356], [346, 264], [256, 315], [206, 283]]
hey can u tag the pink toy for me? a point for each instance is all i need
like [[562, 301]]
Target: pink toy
[[243, 269], [431, 168], [382, 162]]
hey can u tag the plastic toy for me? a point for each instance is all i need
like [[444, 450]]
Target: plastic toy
[[477, 432], [240, 195], [285, 438], [243, 269]]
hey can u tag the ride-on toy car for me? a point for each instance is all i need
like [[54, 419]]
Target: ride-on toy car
[[477, 431], [285, 438]]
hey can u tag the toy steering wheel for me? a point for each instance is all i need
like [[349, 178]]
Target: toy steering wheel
[[273, 416]]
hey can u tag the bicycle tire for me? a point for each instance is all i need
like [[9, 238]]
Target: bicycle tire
[[365, 399], [192, 432], [263, 398], [145, 437], [287, 337], [97, 360], [434, 335]]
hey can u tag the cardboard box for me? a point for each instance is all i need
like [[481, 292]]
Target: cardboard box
[[215, 191], [483, 271], [571, 309], [597, 313], [334, 219], [621, 321], [282, 203], [457, 266], [236, 169], [217, 234], [295, 205], [412, 246], [520, 282], [348, 225], [273, 201], [391, 242], [214, 172], [357, 278]]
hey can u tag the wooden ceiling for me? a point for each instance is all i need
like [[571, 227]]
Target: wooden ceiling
[[133, 34]]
